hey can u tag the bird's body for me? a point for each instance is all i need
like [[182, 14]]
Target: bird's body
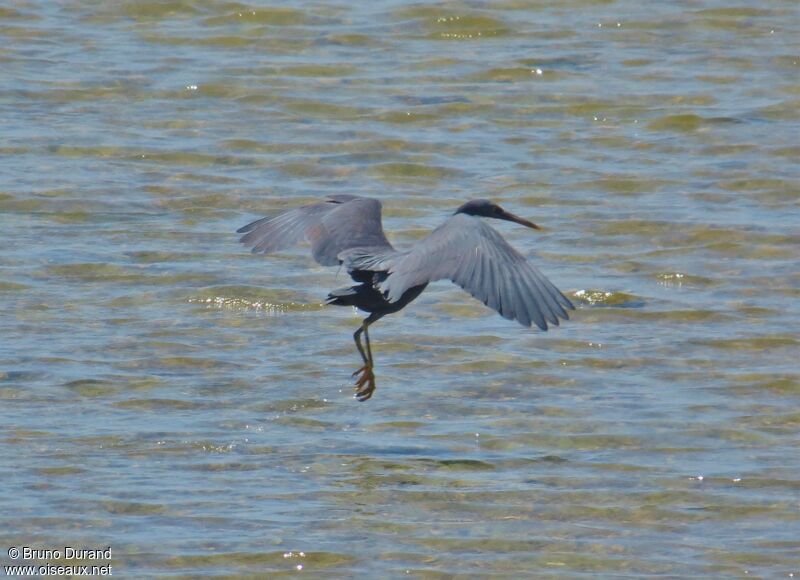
[[347, 230], [365, 296]]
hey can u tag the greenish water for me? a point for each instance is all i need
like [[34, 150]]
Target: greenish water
[[166, 393]]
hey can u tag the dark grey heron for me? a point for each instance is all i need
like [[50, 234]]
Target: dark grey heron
[[346, 230]]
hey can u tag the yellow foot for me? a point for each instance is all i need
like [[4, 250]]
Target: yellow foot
[[365, 384]]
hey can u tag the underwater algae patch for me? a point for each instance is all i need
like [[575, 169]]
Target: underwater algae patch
[[272, 300], [448, 23]]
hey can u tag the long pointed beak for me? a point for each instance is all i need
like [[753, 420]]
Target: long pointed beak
[[507, 215]]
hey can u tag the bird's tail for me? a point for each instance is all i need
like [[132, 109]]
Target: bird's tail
[[343, 296]]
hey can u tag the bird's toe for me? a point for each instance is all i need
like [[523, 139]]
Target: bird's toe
[[365, 384]]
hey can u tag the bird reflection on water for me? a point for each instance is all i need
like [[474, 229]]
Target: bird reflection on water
[[347, 230]]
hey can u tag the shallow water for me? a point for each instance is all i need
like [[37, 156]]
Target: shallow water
[[190, 405]]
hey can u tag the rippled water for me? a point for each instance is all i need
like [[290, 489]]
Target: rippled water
[[190, 405]]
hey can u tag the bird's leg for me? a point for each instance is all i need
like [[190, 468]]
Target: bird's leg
[[365, 384], [357, 339], [366, 339]]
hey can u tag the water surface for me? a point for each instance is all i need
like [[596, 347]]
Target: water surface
[[190, 405]]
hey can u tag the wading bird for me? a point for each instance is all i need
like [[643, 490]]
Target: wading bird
[[346, 230]]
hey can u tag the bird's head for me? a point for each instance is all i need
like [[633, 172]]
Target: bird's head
[[486, 208]]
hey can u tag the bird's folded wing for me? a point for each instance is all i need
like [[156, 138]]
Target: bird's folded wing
[[332, 226], [370, 258], [476, 257]]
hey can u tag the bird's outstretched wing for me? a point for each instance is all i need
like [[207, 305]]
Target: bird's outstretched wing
[[475, 256], [332, 226]]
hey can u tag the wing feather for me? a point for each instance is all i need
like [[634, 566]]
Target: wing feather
[[335, 225], [475, 256], [553, 309]]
